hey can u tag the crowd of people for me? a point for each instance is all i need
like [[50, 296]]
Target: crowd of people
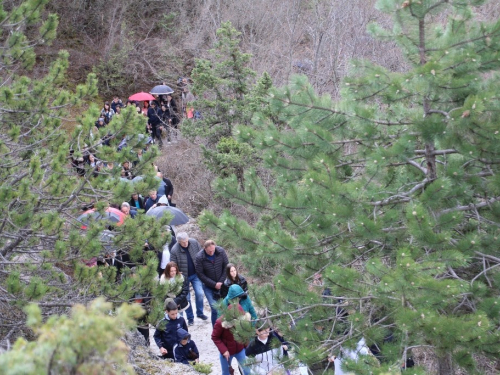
[[207, 269], [183, 262], [163, 116]]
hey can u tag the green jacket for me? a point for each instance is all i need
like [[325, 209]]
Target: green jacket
[[235, 291]]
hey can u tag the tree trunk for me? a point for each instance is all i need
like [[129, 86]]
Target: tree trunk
[[445, 364]]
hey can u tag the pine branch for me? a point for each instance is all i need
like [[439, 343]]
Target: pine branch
[[437, 152], [469, 207], [401, 198], [418, 166]]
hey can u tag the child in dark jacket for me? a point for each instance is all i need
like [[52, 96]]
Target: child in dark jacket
[[265, 351], [166, 332], [185, 351]]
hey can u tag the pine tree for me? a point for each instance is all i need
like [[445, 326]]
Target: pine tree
[[42, 244], [390, 194], [227, 96], [88, 341]]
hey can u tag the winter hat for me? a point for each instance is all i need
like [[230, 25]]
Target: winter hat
[[163, 199]]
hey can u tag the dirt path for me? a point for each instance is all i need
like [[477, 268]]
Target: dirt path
[[201, 333]]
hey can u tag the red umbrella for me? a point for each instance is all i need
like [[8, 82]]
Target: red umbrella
[[141, 96], [111, 214]]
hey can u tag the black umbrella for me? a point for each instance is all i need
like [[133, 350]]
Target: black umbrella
[[161, 90], [179, 216]]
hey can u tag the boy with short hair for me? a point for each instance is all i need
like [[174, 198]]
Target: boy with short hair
[[185, 351], [266, 350], [166, 332]]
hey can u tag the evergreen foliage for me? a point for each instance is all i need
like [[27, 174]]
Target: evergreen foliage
[[227, 96], [390, 193], [42, 245], [86, 342]]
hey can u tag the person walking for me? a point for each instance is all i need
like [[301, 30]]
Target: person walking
[[237, 295], [176, 286], [225, 342], [183, 253], [211, 265], [166, 332], [233, 277], [154, 122]]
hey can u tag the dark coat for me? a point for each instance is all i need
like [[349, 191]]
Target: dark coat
[[169, 187], [181, 298], [182, 352], [153, 116], [114, 105], [224, 339], [258, 347], [173, 112], [227, 283], [121, 260], [211, 273], [166, 334], [267, 356], [141, 203], [149, 202], [178, 255]]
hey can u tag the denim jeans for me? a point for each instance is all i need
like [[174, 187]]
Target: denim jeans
[[209, 293], [240, 357], [198, 295]]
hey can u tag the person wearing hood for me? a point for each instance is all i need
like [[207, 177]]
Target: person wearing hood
[[225, 342], [237, 294], [185, 351], [166, 332]]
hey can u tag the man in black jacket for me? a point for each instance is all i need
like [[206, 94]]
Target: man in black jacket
[[184, 253], [166, 187], [154, 121], [137, 202], [210, 267]]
